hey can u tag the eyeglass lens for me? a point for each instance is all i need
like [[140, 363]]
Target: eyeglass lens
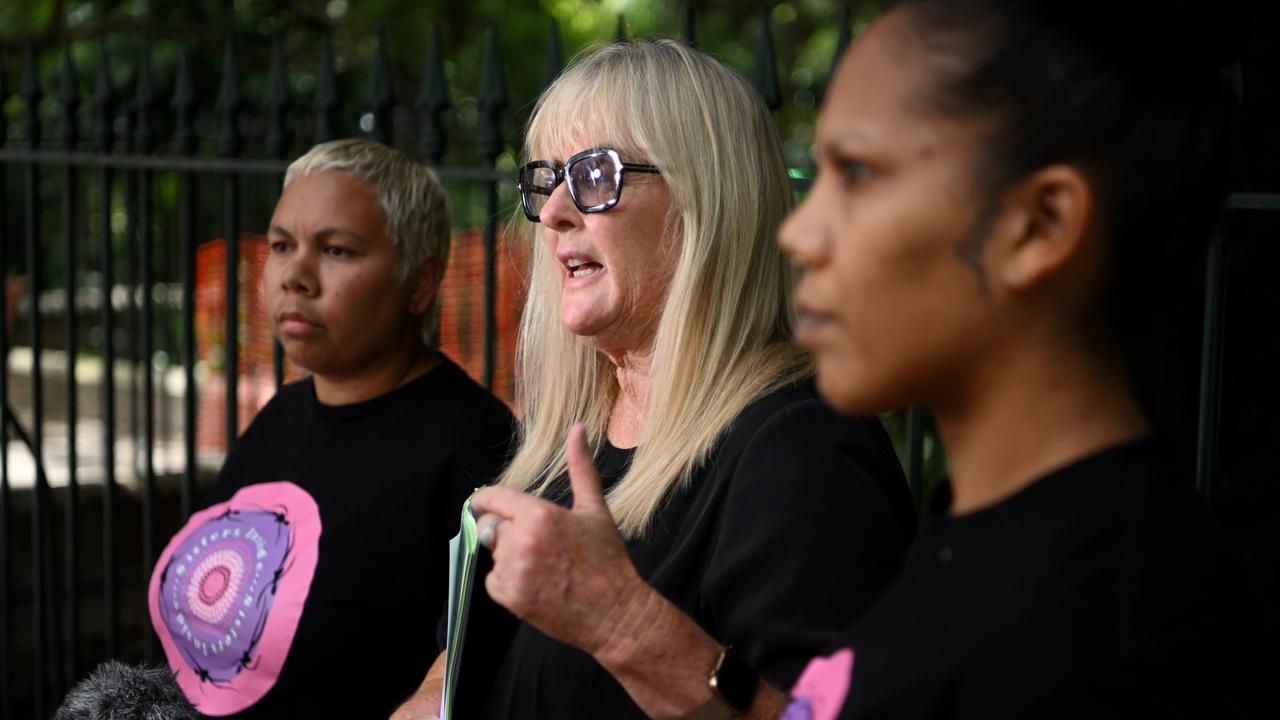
[[593, 182], [539, 183]]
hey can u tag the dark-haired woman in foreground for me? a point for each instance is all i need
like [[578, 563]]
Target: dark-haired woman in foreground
[[1002, 186]]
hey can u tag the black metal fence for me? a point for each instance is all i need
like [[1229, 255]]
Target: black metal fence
[[72, 582]]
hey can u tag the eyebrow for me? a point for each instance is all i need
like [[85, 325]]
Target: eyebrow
[[852, 136], [322, 233]]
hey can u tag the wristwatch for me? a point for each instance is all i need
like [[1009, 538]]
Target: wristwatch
[[733, 688]]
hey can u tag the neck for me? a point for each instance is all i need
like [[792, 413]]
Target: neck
[[399, 370], [631, 406], [1035, 410]]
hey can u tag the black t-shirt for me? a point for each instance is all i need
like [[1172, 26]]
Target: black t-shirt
[[1096, 591], [796, 522], [387, 477]]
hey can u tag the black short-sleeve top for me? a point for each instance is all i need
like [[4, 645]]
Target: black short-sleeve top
[[799, 518], [308, 584]]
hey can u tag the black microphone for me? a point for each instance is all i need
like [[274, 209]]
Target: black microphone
[[117, 691]]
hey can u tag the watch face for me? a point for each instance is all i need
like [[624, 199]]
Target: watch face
[[736, 681]]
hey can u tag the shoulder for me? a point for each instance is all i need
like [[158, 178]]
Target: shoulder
[[289, 402], [275, 426], [795, 420], [789, 447], [446, 406], [463, 399], [473, 428]]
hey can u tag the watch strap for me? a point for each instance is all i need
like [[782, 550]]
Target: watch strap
[[733, 688]]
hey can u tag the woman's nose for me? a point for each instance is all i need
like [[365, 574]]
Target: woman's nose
[[299, 276], [801, 236], [559, 213]]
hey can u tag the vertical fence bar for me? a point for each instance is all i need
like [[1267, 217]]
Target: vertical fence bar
[[277, 102], [144, 143], [765, 67], [184, 144], [31, 94], [104, 103], [433, 100], [129, 280], [69, 97], [843, 37], [620, 32], [690, 29], [229, 144], [915, 453], [326, 100], [378, 99], [1211, 363], [6, 511], [554, 61], [278, 147], [492, 100]]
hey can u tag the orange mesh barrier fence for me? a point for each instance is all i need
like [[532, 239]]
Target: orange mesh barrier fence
[[461, 329]]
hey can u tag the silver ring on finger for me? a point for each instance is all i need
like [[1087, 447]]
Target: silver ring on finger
[[487, 531]]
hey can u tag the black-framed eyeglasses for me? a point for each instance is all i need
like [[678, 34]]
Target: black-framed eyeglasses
[[594, 177]]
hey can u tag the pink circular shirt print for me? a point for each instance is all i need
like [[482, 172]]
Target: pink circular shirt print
[[228, 591], [820, 692]]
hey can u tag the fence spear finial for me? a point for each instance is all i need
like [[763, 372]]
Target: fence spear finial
[[4, 95], [277, 101], [144, 101], [844, 37], [555, 56], [32, 94], [326, 100], [492, 100], [766, 70], [378, 98], [104, 101], [69, 98], [433, 100], [229, 103], [690, 23], [183, 105]]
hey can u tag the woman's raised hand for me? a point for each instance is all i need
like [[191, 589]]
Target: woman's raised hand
[[564, 571]]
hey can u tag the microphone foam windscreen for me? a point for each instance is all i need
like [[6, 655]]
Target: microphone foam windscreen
[[118, 691]]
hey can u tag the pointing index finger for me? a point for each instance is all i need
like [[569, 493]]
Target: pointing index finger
[[503, 501]]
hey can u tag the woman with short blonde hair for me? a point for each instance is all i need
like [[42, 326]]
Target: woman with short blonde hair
[[666, 532]]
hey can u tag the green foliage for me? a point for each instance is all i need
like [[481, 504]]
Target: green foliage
[[804, 34]]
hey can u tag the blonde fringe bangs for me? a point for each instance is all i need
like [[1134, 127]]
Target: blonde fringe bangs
[[724, 338]]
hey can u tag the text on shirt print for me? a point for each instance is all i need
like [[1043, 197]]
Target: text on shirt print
[[228, 593]]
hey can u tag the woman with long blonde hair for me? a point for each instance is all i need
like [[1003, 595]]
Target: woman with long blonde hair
[[684, 521]]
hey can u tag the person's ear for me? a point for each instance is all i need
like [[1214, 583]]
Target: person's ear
[[424, 283], [1048, 213]]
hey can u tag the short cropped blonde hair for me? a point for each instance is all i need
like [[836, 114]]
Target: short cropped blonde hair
[[413, 202]]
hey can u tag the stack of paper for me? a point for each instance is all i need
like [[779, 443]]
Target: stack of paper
[[462, 574]]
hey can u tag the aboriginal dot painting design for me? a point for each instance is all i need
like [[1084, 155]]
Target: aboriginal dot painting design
[[228, 592]]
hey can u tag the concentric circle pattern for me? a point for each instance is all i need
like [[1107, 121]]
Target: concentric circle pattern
[[217, 593], [219, 588]]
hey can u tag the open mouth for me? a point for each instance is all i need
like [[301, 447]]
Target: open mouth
[[810, 323], [580, 268]]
